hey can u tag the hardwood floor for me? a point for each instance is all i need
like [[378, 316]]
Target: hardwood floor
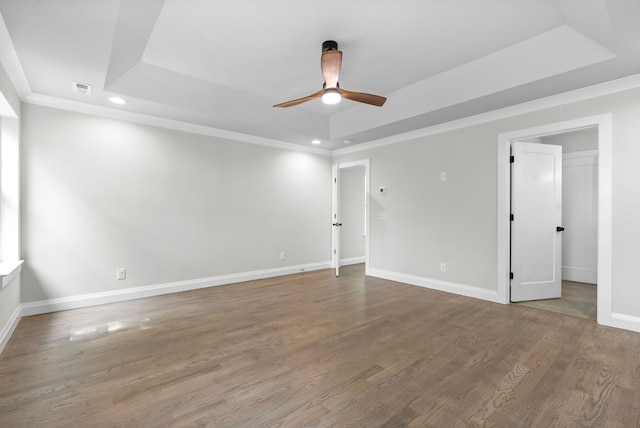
[[578, 299], [313, 350]]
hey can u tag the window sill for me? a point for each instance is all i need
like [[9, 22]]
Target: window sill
[[9, 271]]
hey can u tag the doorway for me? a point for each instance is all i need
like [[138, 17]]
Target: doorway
[[576, 275], [602, 123], [350, 214]]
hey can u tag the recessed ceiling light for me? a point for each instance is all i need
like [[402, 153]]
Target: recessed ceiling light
[[316, 142], [117, 100]]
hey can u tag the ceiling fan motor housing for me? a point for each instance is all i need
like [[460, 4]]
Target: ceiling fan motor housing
[[329, 45]]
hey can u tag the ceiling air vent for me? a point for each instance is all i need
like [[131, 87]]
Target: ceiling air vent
[[81, 88]]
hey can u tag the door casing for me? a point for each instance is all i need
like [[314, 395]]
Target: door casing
[[603, 123]]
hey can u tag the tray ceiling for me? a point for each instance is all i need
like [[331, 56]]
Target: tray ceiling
[[224, 64]]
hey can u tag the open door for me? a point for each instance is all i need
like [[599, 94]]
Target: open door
[[335, 218], [536, 238]]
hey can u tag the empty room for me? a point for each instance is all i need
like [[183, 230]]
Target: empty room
[[319, 214]]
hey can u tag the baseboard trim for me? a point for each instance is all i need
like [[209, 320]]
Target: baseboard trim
[[589, 276], [434, 284], [626, 322], [352, 261], [94, 299], [9, 328]]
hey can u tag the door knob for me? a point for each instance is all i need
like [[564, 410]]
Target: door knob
[[337, 224], [559, 229]]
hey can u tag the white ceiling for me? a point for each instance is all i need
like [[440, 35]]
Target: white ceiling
[[224, 64]]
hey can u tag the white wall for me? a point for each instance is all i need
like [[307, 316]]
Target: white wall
[[430, 221], [579, 203], [101, 194], [352, 207], [585, 139], [580, 216], [9, 98]]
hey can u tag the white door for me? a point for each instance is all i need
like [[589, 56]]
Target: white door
[[536, 238], [335, 219]]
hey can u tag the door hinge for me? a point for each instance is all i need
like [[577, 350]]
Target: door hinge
[[512, 159], [510, 275], [511, 217]]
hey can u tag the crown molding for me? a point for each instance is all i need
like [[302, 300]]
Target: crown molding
[[78, 107], [602, 89], [607, 88]]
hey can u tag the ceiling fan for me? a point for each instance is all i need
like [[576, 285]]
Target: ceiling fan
[[331, 92]]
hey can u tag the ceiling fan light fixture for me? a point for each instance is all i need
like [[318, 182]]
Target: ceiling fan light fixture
[[331, 96]]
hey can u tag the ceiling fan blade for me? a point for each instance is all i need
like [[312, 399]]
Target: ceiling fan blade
[[361, 97], [301, 100], [330, 64]]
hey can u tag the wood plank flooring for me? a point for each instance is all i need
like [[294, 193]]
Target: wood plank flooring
[[314, 350], [578, 299]]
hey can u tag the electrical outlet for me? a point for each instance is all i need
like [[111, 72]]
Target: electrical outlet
[[121, 274], [283, 256], [443, 267]]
